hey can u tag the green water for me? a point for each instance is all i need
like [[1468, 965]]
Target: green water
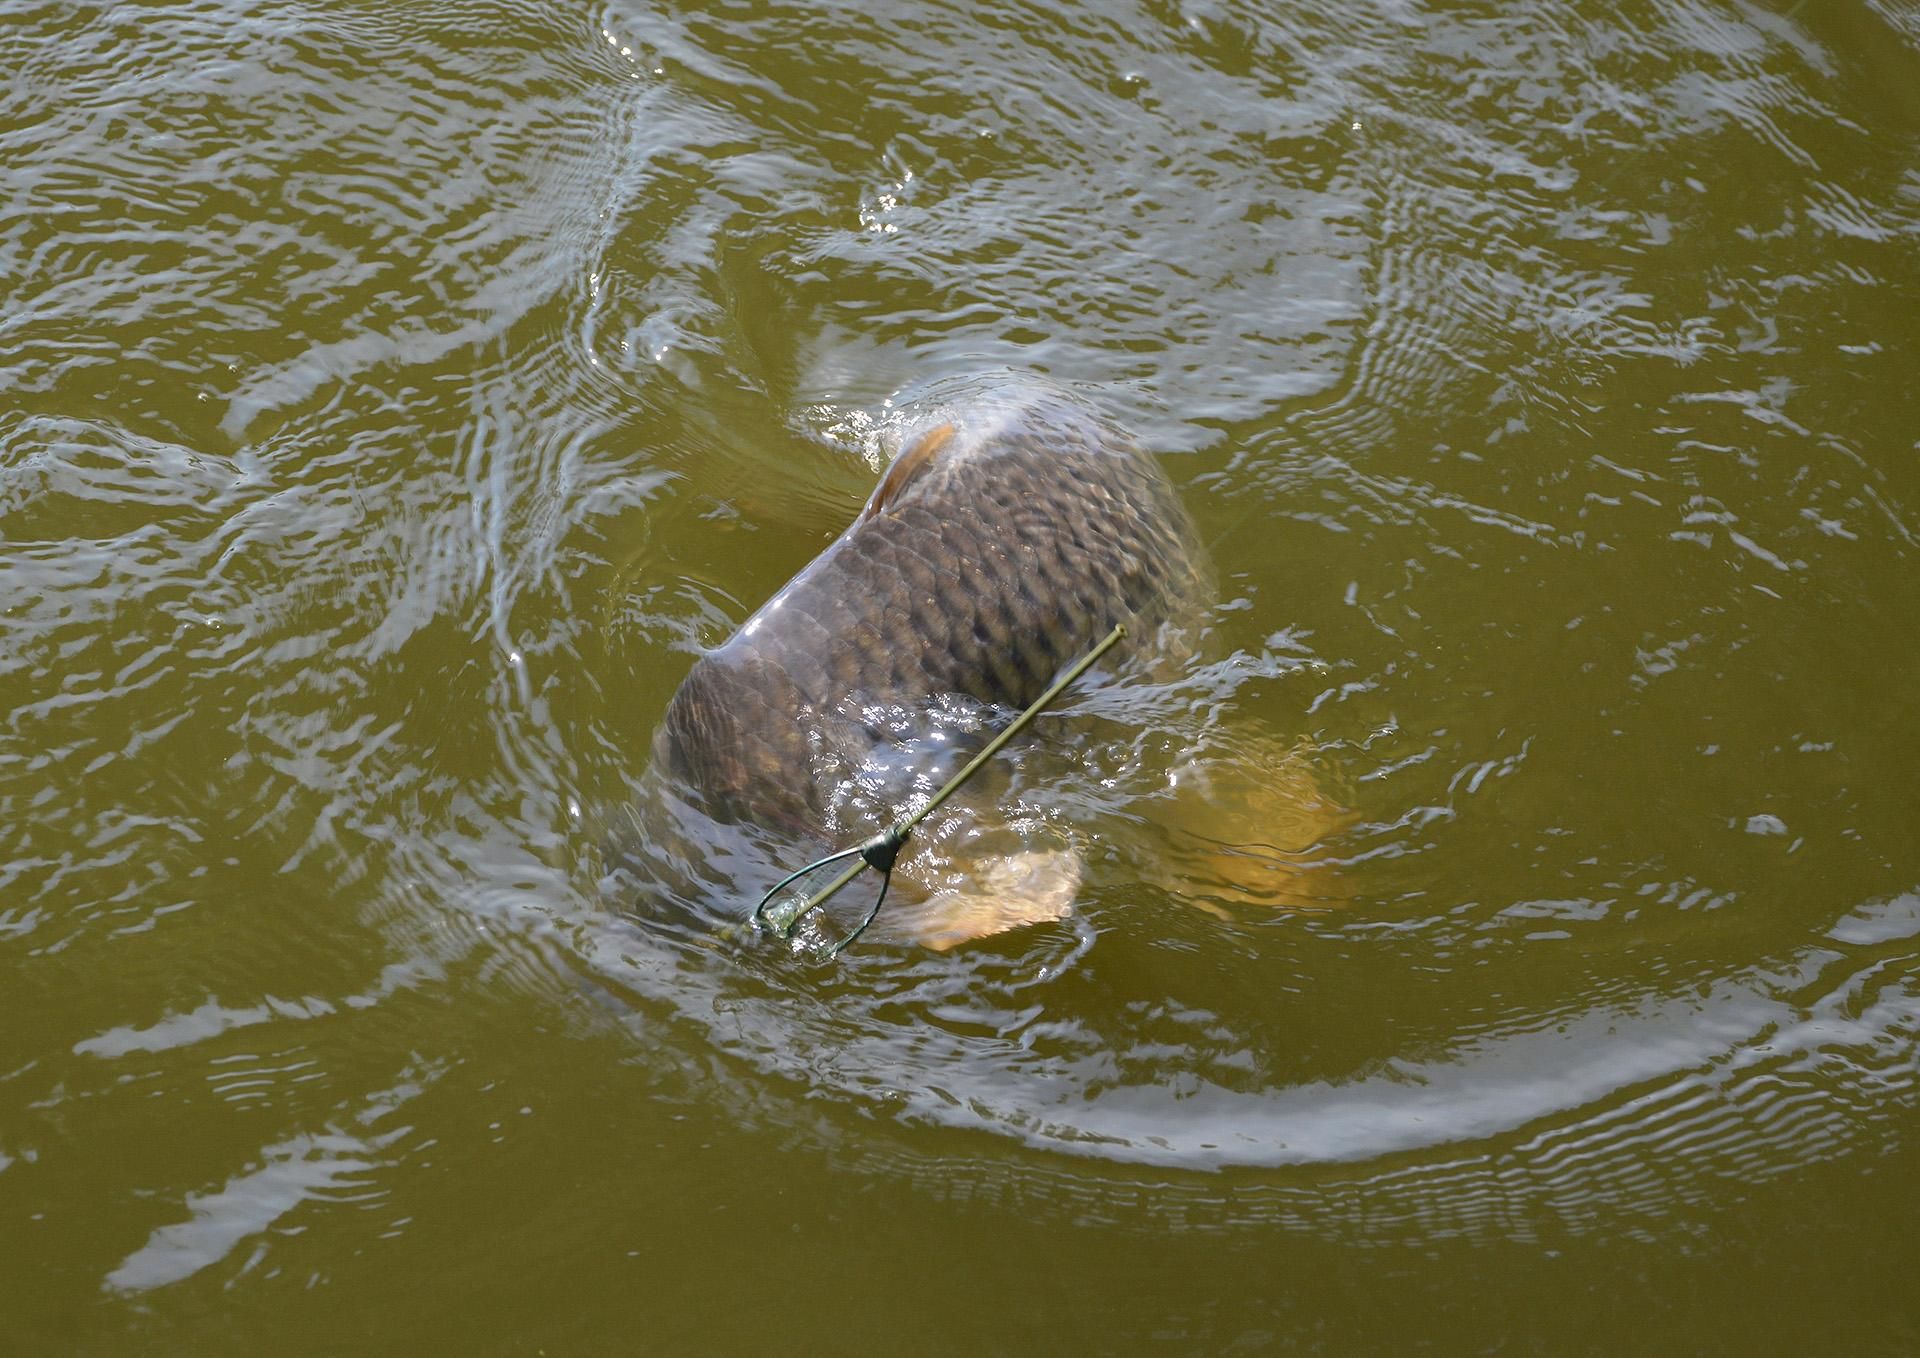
[[393, 400]]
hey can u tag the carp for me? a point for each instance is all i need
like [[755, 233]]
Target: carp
[[1012, 530]]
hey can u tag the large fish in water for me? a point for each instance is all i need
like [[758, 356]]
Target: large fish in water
[[1013, 529]]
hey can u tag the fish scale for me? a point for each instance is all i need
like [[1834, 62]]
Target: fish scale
[[1028, 531]]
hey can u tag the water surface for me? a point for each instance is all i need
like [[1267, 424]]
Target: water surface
[[395, 400]]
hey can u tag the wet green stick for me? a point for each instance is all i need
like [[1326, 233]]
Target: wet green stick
[[879, 852]]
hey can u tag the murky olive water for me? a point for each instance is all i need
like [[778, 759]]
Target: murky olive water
[[394, 400]]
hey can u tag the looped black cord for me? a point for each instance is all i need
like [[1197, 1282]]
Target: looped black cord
[[880, 852], [877, 853]]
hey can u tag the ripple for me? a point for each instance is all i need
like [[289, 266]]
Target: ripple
[[1608, 1119], [335, 1167], [399, 398]]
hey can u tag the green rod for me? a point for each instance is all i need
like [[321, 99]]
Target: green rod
[[1014, 728], [901, 829], [820, 897]]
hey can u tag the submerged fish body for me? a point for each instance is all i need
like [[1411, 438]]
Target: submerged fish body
[[1011, 532], [1007, 538]]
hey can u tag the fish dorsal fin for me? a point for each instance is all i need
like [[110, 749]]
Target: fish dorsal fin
[[907, 468]]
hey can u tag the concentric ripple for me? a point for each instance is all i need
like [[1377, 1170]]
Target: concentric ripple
[[394, 400]]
